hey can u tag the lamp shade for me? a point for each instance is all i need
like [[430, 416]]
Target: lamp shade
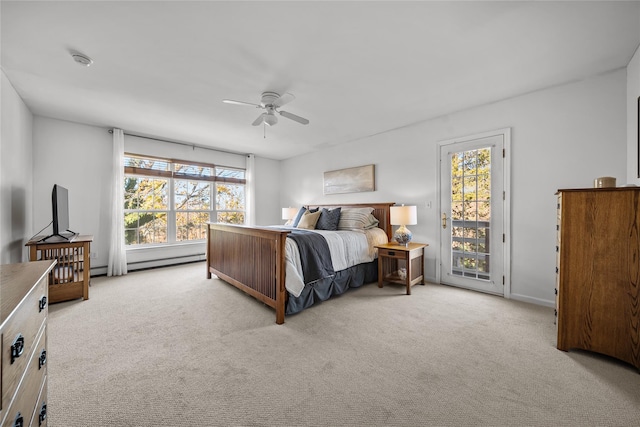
[[289, 213], [404, 215]]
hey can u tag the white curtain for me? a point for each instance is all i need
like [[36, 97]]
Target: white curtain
[[117, 254], [250, 191]]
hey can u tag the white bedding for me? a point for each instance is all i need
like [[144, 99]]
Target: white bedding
[[347, 248]]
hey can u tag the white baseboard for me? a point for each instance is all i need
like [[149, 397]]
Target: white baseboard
[[98, 271], [532, 300], [143, 265]]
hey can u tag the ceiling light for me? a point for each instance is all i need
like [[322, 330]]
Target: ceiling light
[[82, 59], [270, 119]]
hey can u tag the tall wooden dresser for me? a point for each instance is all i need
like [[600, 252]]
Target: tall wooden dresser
[[23, 325], [598, 271]]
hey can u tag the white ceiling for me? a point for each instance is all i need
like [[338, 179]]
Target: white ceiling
[[161, 69]]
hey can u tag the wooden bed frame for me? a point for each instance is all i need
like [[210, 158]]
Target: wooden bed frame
[[253, 258]]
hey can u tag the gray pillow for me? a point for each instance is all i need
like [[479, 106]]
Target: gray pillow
[[328, 219]]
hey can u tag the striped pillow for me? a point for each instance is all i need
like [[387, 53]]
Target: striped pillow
[[357, 219]]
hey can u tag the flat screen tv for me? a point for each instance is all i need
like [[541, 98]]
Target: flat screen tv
[[60, 210]]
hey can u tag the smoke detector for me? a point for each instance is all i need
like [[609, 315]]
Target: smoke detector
[[82, 59]]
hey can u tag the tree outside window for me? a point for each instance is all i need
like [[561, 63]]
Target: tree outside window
[[230, 203], [146, 208], [193, 207], [471, 211], [168, 201]]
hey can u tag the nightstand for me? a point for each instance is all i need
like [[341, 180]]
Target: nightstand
[[401, 264]]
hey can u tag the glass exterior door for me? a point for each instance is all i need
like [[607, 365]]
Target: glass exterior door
[[472, 198]]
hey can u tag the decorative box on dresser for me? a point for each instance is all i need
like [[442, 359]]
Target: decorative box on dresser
[[598, 271], [23, 325]]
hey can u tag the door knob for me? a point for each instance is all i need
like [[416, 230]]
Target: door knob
[[444, 220]]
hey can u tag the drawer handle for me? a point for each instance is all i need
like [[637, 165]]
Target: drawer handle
[[43, 359], [391, 253], [17, 348], [42, 303], [43, 413], [19, 421]]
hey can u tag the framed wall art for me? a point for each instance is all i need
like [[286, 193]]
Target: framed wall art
[[350, 180]]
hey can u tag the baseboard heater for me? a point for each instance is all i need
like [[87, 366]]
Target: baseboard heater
[[153, 263]]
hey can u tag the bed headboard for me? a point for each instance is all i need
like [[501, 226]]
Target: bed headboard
[[381, 211]]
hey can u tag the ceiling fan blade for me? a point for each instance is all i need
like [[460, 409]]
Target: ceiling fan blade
[[283, 99], [293, 117], [231, 101], [259, 120]]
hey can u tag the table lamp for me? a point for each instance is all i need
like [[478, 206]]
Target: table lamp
[[403, 216], [289, 214]]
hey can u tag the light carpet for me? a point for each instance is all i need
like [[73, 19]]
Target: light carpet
[[167, 347]]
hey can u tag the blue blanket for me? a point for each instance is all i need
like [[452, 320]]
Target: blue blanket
[[315, 258]]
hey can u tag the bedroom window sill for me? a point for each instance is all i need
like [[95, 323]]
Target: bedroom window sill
[[165, 246]]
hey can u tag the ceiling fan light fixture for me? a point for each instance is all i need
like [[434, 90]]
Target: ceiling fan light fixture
[[270, 119], [271, 102]]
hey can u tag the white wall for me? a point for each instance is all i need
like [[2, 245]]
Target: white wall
[[16, 170], [633, 92], [154, 147], [78, 157], [562, 137], [268, 208]]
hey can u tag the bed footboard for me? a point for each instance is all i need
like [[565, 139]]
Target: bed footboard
[[231, 249]]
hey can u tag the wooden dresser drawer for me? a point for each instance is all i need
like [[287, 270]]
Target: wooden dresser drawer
[[23, 315], [19, 339], [40, 414], [25, 404]]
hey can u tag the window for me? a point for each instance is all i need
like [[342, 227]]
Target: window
[[146, 209], [170, 201], [471, 213]]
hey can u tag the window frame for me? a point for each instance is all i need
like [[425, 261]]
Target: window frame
[[212, 179]]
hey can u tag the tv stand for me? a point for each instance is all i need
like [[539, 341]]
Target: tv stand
[[70, 278], [60, 237]]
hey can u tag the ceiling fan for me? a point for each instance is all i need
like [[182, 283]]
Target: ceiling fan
[[271, 103]]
